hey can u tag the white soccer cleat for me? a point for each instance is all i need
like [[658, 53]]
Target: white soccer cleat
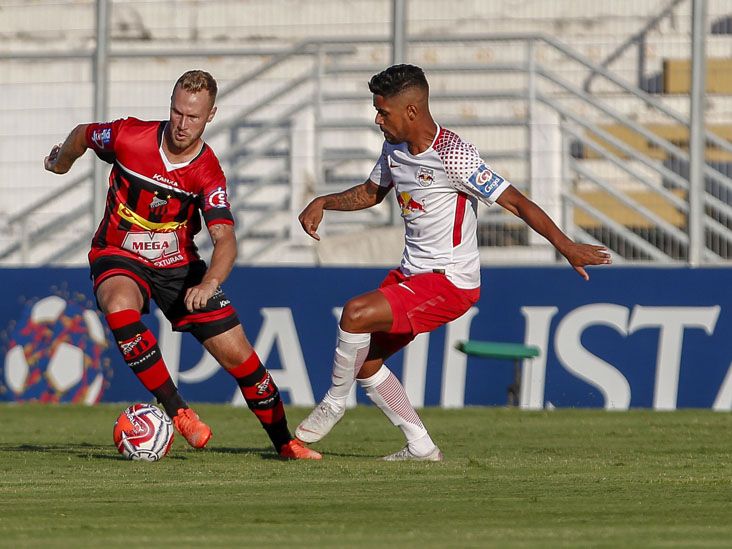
[[405, 454], [319, 423]]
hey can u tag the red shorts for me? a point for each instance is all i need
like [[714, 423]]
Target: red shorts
[[420, 303]]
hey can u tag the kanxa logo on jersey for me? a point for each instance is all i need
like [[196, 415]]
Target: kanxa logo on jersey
[[102, 137], [161, 179], [484, 180]]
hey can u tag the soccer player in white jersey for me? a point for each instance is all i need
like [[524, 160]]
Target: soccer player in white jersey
[[438, 179]]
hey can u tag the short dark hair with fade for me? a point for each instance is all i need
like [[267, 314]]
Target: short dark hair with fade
[[396, 79], [196, 80]]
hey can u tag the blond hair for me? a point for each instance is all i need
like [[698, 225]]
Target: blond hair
[[196, 80]]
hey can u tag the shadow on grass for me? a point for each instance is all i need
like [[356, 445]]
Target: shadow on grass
[[88, 450], [82, 450], [49, 448], [269, 453], [264, 453], [350, 455]]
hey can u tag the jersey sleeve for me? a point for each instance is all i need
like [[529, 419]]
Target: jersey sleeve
[[381, 174], [215, 206], [101, 137], [467, 172]]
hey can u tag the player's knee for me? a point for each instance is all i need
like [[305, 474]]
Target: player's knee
[[356, 315], [117, 294], [110, 302]]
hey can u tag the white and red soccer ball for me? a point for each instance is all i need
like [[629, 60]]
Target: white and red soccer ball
[[143, 432]]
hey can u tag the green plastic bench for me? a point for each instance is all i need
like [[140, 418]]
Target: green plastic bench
[[504, 351]]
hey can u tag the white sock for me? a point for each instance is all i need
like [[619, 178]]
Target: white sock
[[385, 390], [350, 354]]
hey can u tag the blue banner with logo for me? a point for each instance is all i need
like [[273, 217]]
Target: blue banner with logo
[[630, 337]]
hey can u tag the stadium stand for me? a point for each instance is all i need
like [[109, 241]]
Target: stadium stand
[[677, 75], [553, 94]]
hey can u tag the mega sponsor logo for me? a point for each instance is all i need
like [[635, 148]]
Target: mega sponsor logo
[[152, 245], [485, 181], [168, 260]]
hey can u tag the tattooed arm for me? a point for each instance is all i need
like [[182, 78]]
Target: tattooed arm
[[359, 197], [222, 261]]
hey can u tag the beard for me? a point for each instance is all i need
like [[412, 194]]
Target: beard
[[181, 143]]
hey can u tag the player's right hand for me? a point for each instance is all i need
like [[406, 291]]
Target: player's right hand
[[311, 217], [581, 255], [50, 162]]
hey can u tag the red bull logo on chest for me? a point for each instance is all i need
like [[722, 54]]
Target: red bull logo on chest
[[408, 204]]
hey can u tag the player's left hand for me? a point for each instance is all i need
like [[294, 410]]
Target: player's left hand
[[311, 217], [197, 296], [51, 161], [581, 255]]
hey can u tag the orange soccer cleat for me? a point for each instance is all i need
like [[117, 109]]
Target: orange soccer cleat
[[195, 431], [297, 450]]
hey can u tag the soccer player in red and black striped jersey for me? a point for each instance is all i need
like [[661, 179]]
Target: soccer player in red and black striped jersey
[[163, 175]]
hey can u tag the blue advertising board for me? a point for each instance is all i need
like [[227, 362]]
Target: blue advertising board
[[630, 337]]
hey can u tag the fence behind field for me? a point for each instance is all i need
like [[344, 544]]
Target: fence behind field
[[606, 155]]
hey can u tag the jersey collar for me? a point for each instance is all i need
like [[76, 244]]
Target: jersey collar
[[170, 166]]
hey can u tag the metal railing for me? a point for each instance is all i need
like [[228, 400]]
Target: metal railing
[[624, 239], [325, 62], [26, 238], [638, 40]]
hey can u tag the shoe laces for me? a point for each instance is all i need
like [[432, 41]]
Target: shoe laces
[[186, 418]]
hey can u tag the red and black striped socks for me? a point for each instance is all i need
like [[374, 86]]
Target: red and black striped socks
[[263, 398], [140, 351]]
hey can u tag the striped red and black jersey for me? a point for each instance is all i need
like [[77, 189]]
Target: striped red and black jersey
[[152, 209]]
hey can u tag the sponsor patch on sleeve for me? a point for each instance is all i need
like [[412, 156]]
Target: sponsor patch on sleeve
[[217, 198], [485, 181], [102, 137]]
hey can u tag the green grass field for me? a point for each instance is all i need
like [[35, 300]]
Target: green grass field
[[571, 478]]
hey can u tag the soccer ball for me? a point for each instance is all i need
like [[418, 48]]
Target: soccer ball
[[55, 354], [143, 432]]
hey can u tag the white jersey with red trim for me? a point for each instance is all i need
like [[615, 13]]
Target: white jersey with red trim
[[438, 192]]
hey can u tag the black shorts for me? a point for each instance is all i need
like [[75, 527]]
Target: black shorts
[[168, 288]]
